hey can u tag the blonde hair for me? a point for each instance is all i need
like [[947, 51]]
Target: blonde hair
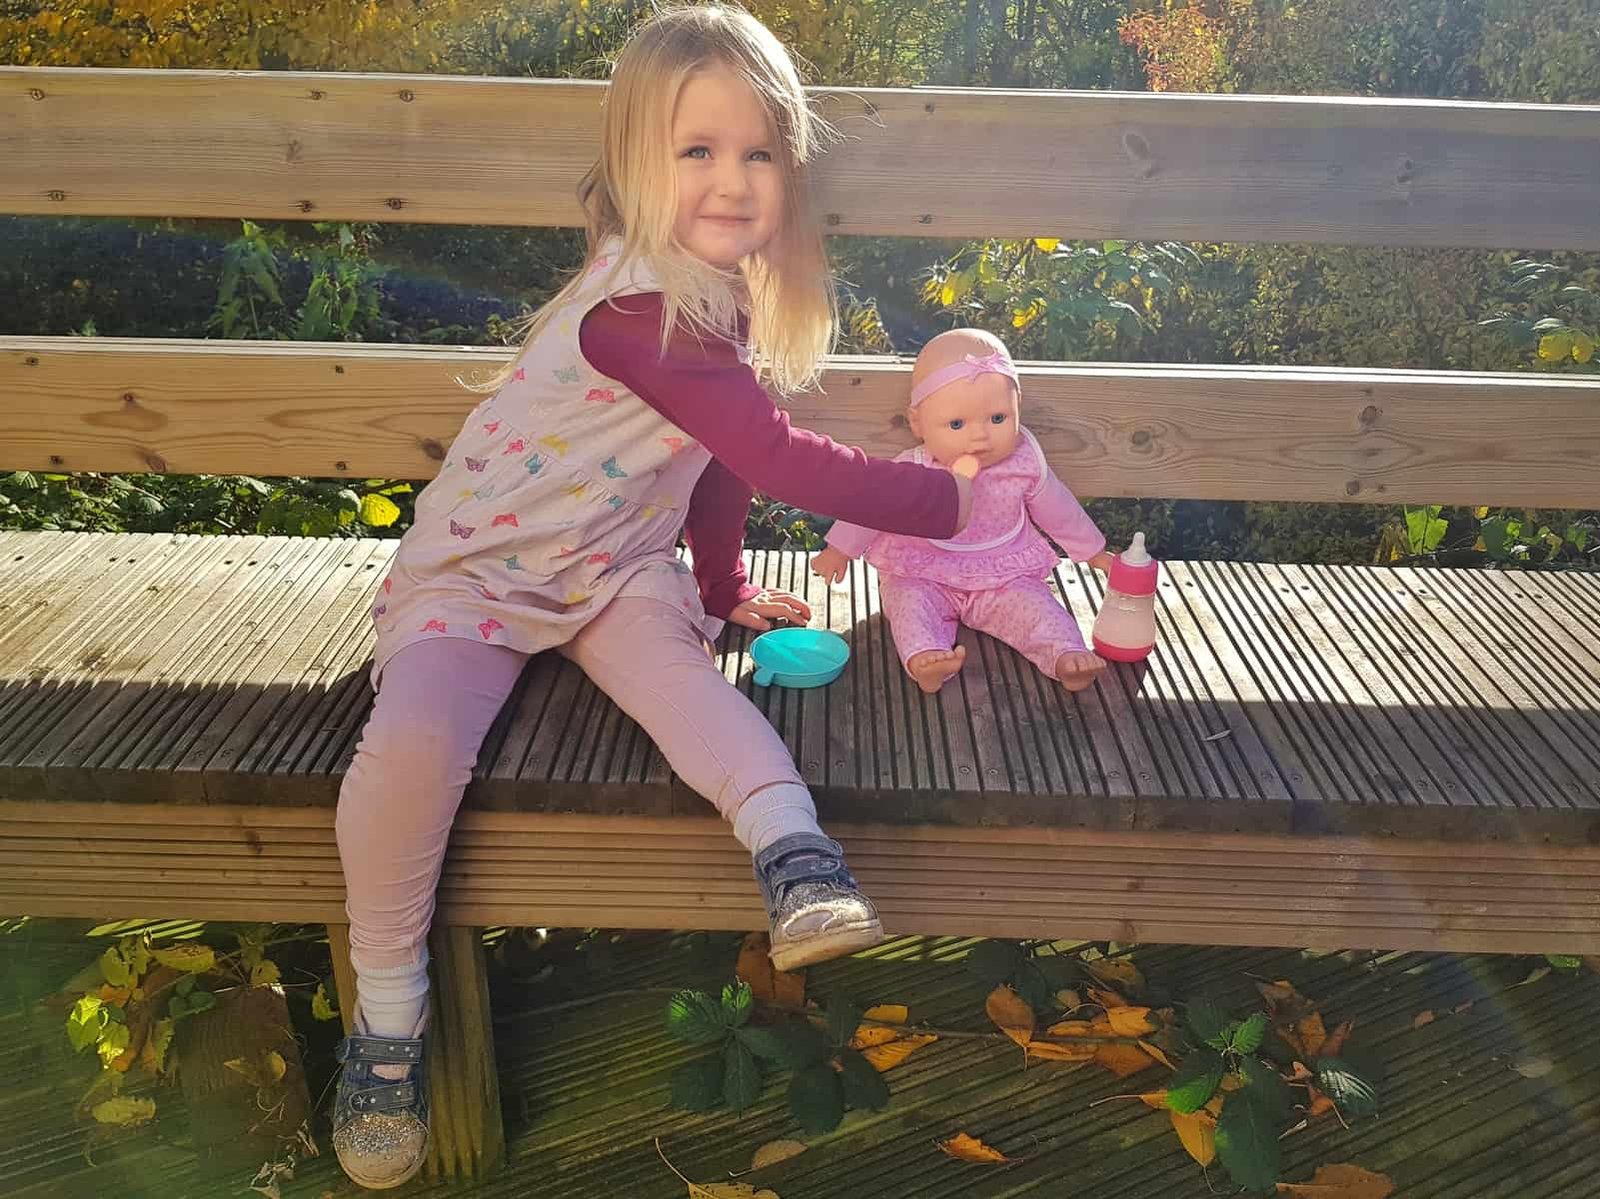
[[785, 288]]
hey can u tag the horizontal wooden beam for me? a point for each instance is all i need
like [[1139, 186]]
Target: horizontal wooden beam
[[254, 863], [924, 162], [273, 408]]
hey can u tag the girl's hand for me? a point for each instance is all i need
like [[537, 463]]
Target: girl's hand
[[755, 612], [1102, 561], [830, 563]]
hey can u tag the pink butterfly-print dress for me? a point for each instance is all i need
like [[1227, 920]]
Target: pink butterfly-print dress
[[563, 491]]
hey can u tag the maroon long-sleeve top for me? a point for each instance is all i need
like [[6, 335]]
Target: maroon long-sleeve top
[[703, 387]]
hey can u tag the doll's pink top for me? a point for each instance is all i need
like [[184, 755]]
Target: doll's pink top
[[1000, 542]]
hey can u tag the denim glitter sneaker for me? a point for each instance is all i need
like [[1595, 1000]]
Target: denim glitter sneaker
[[816, 910], [380, 1125]]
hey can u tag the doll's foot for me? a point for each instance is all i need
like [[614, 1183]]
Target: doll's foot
[[1077, 669], [933, 668]]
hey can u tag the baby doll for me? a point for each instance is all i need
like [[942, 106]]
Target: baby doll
[[992, 577]]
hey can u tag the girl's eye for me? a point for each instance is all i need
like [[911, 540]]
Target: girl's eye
[[761, 155], [999, 418], [697, 152], [956, 424]]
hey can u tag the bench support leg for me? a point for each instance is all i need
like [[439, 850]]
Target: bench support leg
[[468, 1133]]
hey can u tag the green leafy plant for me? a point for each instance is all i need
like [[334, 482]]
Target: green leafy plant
[[827, 1075]]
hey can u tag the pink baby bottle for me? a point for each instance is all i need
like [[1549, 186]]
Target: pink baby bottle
[[1125, 628]]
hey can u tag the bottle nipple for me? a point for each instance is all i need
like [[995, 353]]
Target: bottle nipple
[[1136, 554]]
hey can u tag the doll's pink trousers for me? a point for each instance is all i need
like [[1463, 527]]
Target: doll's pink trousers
[[1023, 613]]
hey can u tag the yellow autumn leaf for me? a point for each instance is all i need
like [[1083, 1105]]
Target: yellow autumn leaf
[[1046, 244], [889, 1013], [1155, 1099], [1342, 1181], [947, 295], [774, 1152], [1076, 1028], [1198, 1132], [728, 1190], [869, 1035], [1122, 1060], [1582, 347], [887, 1057], [1011, 1014], [970, 1149], [124, 1110], [189, 958], [273, 1065], [1309, 1035], [1555, 346], [321, 1008], [265, 973], [1131, 1021], [1481, 511], [379, 511]]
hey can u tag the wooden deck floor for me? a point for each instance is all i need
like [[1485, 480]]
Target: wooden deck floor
[[586, 1092], [1449, 704]]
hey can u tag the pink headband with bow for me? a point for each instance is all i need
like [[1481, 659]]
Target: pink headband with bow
[[969, 368]]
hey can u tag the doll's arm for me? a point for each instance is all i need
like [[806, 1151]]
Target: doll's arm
[[1057, 511]]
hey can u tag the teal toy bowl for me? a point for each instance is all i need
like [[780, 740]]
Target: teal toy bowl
[[798, 657]]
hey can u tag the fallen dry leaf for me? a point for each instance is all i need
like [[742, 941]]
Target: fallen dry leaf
[[1155, 1099], [1286, 1004], [970, 1149], [1321, 1105], [714, 1190], [1117, 972], [774, 1152], [1131, 1021], [1342, 1181], [869, 1035], [1122, 1060], [1198, 1132], [124, 1110], [1011, 1014], [1334, 1045], [1106, 997], [1423, 1018], [1533, 1067], [887, 1057], [1069, 999], [889, 1013], [1307, 1036], [1079, 1028], [774, 986], [1055, 1051], [1157, 1054]]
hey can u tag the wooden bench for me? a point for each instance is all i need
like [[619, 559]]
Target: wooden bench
[[1317, 756]]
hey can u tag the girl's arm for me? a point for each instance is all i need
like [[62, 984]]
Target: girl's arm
[[703, 388], [715, 533]]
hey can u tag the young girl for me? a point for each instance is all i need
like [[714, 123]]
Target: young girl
[[964, 401], [631, 414]]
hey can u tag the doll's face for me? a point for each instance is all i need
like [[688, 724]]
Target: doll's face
[[972, 416]]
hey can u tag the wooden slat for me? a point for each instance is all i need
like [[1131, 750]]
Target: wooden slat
[[1337, 699], [1322, 435], [685, 871], [295, 145]]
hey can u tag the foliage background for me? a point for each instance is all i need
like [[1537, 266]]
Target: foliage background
[[1530, 310]]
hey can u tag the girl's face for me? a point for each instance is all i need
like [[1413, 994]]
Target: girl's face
[[730, 186]]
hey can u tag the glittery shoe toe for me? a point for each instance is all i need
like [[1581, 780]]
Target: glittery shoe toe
[[380, 1125], [816, 910]]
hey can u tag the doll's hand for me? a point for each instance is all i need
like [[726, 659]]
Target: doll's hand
[[754, 613], [830, 564], [1102, 561]]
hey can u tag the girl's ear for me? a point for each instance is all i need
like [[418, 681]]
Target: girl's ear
[[914, 419]]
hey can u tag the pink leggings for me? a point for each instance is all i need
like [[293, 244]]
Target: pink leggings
[[434, 706]]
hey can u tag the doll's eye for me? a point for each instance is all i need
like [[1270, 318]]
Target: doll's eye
[[956, 424], [999, 418]]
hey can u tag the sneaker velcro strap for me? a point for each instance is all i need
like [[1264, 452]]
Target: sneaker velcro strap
[[396, 1098], [805, 868], [389, 1051]]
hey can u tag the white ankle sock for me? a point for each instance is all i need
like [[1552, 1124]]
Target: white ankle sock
[[390, 999], [774, 812]]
